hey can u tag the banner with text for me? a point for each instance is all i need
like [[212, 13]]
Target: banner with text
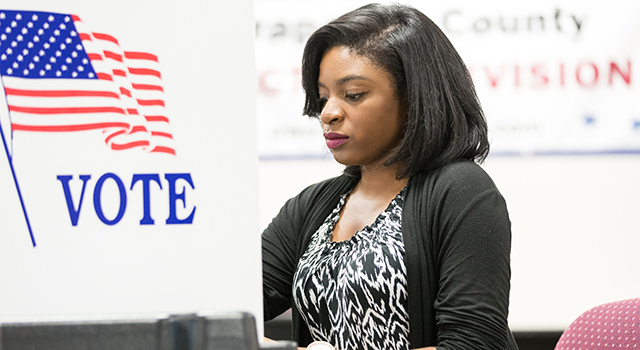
[[554, 77]]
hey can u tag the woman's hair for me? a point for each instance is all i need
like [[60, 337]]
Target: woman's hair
[[445, 121]]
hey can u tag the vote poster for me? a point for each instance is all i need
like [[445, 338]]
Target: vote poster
[[128, 172]]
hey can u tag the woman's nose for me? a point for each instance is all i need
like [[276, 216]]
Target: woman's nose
[[331, 112]]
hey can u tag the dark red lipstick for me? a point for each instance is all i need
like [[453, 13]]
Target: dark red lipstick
[[334, 139]]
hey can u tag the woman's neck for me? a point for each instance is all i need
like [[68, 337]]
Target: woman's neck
[[380, 181]]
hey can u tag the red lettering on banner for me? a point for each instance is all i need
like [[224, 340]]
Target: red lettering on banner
[[539, 72], [263, 86], [626, 76], [493, 79], [585, 74], [594, 81], [297, 85]]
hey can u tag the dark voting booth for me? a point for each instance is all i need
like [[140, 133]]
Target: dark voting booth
[[230, 331]]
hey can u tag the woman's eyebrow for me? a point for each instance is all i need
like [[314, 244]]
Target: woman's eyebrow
[[346, 79]]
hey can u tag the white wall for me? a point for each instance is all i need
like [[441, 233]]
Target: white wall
[[575, 223]]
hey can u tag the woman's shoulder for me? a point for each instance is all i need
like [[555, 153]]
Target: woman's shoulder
[[463, 177]]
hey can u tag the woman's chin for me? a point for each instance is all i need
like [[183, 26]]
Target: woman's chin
[[343, 160]]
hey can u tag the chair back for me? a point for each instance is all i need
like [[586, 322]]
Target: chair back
[[613, 325]]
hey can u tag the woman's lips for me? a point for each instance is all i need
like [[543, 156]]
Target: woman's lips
[[334, 139]]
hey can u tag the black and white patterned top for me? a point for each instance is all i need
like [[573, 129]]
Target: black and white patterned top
[[353, 293]]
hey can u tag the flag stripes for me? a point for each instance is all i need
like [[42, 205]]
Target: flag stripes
[[71, 79]]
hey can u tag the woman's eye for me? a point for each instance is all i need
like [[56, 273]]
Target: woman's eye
[[321, 102], [355, 97]]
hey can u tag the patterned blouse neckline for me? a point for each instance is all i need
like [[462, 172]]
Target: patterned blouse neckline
[[334, 217]]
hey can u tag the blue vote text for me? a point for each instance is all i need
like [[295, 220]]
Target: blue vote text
[[145, 181]]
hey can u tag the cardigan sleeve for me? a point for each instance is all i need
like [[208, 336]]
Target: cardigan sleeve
[[471, 232], [279, 257]]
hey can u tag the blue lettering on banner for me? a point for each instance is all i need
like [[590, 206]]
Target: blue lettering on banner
[[146, 196], [173, 197], [146, 179], [73, 212], [97, 203]]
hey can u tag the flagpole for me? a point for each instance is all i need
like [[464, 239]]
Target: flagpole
[[15, 178]]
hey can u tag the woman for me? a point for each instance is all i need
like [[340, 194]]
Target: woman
[[410, 247]]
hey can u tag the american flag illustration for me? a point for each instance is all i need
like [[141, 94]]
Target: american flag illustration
[[60, 77]]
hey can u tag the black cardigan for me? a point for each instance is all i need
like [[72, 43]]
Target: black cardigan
[[457, 238]]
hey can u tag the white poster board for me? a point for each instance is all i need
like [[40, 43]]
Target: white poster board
[[129, 130]]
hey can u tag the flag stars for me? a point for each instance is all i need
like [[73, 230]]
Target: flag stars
[[40, 46], [2, 15], [18, 16], [9, 71]]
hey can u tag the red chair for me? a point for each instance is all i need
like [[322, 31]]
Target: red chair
[[609, 326]]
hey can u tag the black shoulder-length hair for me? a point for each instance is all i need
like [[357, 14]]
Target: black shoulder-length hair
[[445, 121]]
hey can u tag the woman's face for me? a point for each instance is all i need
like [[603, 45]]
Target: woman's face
[[362, 119]]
